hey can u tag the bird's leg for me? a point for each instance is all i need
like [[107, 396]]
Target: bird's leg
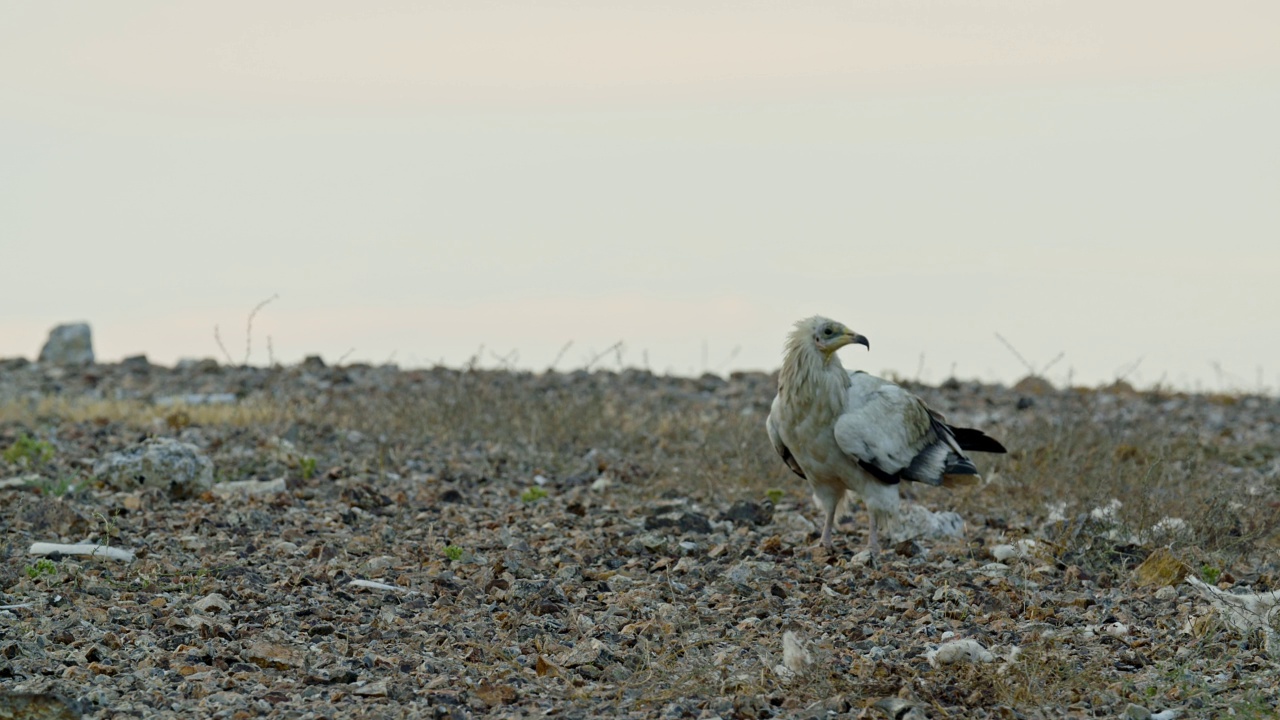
[[873, 546], [826, 532], [828, 498]]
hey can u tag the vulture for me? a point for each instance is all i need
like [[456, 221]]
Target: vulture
[[850, 431]]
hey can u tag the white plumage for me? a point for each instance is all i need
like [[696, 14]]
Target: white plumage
[[855, 432]]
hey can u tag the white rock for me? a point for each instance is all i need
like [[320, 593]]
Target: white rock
[[793, 522], [1116, 629], [382, 562], [916, 521], [21, 481], [794, 654], [70, 344], [993, 570], [1003, 552], [1169, 526], [178, 467], [958, 651], [1106, 513], [1019, 549], [285, 547], [211, 604], [249, 487]]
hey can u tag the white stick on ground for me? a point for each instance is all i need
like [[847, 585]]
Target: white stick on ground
[[82, 549], [380, 586]]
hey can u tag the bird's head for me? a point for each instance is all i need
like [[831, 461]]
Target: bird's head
[[827, 336]]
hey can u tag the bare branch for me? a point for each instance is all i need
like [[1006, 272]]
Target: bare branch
[[508, 361], [1125, 371], [560, 355], [248, 328], [1051, 363], [1030, 368], [217, 337], [612, 348]]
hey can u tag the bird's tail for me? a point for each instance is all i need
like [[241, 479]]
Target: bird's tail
[[976, 440], [961, 472]]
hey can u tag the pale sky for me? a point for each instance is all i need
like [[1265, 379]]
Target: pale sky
[[418, 180]]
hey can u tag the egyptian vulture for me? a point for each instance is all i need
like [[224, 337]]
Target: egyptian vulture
[[853, 431]]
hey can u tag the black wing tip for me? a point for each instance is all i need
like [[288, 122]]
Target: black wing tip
[[790, 460], [977, 441]]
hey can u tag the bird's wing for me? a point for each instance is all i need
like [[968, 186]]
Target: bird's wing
[[771, 424], [894, 436]]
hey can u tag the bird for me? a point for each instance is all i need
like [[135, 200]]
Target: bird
[[851, 431]]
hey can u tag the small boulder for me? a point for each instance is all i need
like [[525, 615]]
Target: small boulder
[[178, 467], [915, 521], [70, 344], [746, 512], [1160, 569], [1034, 385], [683, 521]]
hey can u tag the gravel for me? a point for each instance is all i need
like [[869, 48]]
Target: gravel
[[375, 570]]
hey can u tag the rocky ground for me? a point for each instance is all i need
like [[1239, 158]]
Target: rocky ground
[[368, 542]]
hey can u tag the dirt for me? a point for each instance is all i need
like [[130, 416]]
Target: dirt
[[452, 543]]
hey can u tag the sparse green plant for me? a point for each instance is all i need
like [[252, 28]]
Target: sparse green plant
[[774, 495], [532, 494], [307, 466], [1210, 574], [43, 566], [453, 552], [27, 451], [57, 487]]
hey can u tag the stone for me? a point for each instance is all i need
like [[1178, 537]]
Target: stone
[[1136, 712], [681, 520], [136, 364], [907, 548], [177, 467], [39, 705], [1160, 569], [916, 521], [746, 512], [211, 604], [69, 344], [271, 656], [1034, 385]]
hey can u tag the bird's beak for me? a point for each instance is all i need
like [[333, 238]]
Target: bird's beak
[[854, 338]]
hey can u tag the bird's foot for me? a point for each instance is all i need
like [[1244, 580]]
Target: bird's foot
[[819, 552]]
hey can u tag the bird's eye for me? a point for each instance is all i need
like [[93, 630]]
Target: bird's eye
[[826, 331]]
